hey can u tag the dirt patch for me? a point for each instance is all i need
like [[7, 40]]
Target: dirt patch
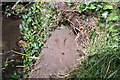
[[59, 58], [64, 45], [82, 24]]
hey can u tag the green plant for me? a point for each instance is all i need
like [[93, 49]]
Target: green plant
[[37, 19], [62, 27], [103, 55]]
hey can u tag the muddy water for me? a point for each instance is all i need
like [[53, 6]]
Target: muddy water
[[59, 58], [10, 36], [10, 33]]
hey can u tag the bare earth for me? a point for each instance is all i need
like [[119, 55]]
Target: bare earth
[[59, 58]]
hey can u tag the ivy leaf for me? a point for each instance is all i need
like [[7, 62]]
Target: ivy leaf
[[102, 26], [29, 19], [62, 27], [24, 17], [112, 17], [80, 7], [20, 27], [35, 45], [108, 7], [105, 14], [31, 38], [69, 4], [92, 6]]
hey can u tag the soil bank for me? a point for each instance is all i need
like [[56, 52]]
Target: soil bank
[[59, 58]]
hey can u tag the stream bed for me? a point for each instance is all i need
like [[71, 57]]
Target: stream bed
[[10, 36]]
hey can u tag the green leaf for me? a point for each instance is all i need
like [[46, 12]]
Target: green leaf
[[31, 38], [112, 17], [14, 76], [105, 14], [20, 27], [112, 74], [35, 45], [52, 9], [84, 16], [62, 27], [115, 18], [92, 6], [69, 4], [80, 7], [24, 17], [108, 7], [29, 19], [102, 25], [93, 35]]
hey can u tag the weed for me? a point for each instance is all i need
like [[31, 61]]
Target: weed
[[103, 55]]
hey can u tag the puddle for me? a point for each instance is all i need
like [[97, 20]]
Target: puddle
[[59, 58], [10, 36]]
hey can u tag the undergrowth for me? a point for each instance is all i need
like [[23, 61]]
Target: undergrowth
[[37, 21], [103, 55]]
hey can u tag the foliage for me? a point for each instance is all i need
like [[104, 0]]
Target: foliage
[[8, 11], [62, 27], [104, 54], [37, 19]]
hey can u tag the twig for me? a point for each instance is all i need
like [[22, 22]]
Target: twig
[[24, 54], [20, 66], [69, 10], [16, 4], [72, 26]]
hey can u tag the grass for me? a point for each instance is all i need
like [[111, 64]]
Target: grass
[[103, 59]]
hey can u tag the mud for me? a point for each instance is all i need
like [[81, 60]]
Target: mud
[[59, 58], [10, 33], [10, 36]]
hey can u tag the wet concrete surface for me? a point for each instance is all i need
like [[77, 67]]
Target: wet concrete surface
[[59, 58]]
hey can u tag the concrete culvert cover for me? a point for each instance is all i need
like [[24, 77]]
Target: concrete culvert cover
[[59, 58]]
